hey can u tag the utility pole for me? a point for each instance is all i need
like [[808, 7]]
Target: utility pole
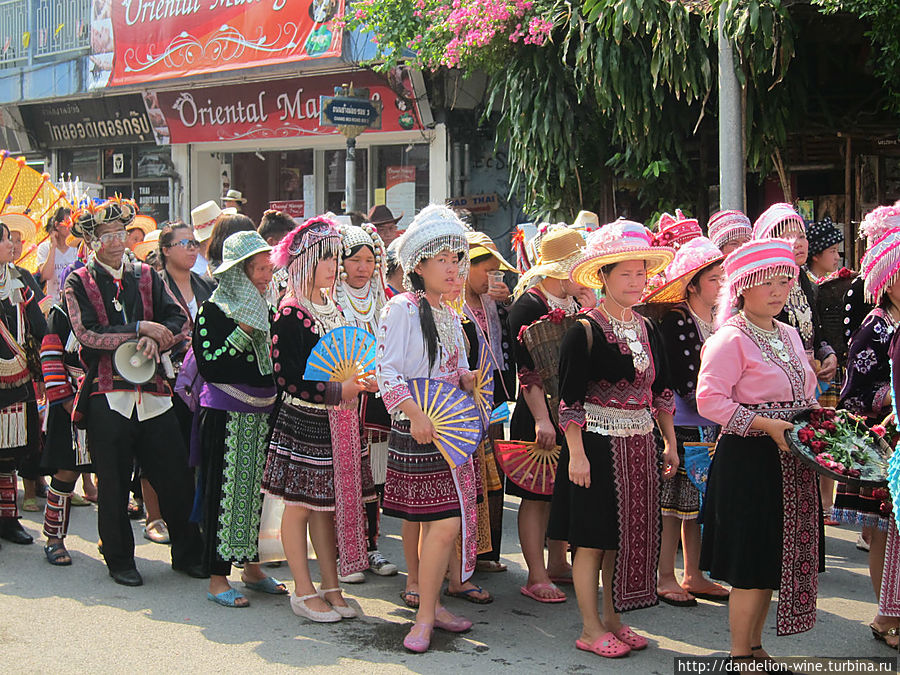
[[732, 168]]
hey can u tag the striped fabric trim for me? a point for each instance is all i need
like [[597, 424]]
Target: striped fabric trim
[[59, 388]]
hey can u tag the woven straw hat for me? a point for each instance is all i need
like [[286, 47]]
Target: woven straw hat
[[689, 261], [481, 244], [144, 223], [142, 249], [19, 222], [617, 242], [561, 248]]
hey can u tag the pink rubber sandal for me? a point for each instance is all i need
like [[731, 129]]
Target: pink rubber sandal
[[630, 638], [446, 620], [529, 592], [607, 646], [419, 638]]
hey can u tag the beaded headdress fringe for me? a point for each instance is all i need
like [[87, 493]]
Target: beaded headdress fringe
[[875, 278], [302, 269], [728, 296], [455, 243]]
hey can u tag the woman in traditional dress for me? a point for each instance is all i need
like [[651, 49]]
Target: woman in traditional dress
[[867, 392], [613, 382], [485, 305], [420, 337], [316, 463], [231, 345], [543, 288], [22, 331], [360, 294], [694, 279], [728, 229], [762, 526], [65, 451]]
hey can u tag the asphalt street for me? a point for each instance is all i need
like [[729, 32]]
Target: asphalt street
[[75, 619]]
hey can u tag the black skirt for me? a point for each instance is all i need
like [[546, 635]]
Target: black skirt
[[743, 513], [571, 503], [59, 452]]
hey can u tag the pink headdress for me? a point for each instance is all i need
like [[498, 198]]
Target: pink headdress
[[727, 226], [303, 247], [881, 265], [689, 261], [675, 231], [750, 265], [777, 221], [878, 221]]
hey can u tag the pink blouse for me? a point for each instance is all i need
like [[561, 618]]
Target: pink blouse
[[742, 376]]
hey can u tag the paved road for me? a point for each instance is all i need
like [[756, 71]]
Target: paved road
[[76, 619]]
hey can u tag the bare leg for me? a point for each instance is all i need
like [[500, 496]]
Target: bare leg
[[694, 579], [668, 583], [533, 517], [293, 538], [586, 578], [826, 491], [744, 610], [410, 533], [756, 635], [557, 565], [611, 619], [455, 585], [877, 544], [30, 488], [438, 540], [151, 501], [321, 532]]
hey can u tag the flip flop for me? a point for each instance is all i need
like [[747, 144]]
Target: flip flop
[[227, 598], [406, 597], [467, 595], [31, 505], [714, 597], [268, 585], [883, 635], [78, 500], [529, 592], [669, 598], [562, 581]]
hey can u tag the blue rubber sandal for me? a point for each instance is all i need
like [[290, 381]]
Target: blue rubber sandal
[[268, 585], [227, 598]]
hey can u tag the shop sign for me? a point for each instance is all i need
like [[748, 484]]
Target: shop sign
[[290, 207], [486, 203], [136, 41], [89, 122], [275, 109], [346, 111]]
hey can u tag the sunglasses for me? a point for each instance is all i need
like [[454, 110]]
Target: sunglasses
[[186, 243], [110, 237]]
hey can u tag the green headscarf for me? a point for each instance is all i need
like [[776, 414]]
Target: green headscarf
[[243, 303]]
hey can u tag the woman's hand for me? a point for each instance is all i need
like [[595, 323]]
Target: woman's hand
[[580, 470], [775, 429], [370, 384], [828, 369], [467, 382], [670, 462], [544, 433], [350, 389], [421, 429]]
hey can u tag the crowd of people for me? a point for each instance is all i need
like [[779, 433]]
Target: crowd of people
[[675, 338]]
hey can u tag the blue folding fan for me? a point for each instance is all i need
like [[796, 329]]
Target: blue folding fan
[[340, 354]]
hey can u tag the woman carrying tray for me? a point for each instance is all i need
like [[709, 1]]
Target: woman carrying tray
[[315, 461], [613, 382], [420, 337], [867, 392], [542, 289], [754, 376], [695, 278]]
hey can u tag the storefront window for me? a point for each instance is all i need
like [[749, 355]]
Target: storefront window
[[336, 166], [153, 162], [117, 163], [401, 179], [278, 177], [81, 164]]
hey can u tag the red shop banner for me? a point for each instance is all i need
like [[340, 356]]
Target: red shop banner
[[134, 41], [275, 109]]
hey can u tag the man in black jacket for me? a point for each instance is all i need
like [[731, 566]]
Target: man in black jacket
[[111, 302]]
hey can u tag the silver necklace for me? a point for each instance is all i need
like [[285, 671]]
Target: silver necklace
[[358, 308], [629, 332], [707, 328], [446, 327], [770, 337], [566, 304], [327, 316]]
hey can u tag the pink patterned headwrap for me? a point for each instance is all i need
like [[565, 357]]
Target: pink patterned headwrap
[[777, 221], [878, 221], [880, 265], [727, 226], [750, 265], [675, 231], [303, 247]]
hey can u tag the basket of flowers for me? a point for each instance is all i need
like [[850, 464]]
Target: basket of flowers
[[839, 445]]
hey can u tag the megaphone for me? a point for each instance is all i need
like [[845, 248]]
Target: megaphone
[[132, 364]]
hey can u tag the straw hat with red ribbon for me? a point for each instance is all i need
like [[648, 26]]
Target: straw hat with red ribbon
[[691, 259]]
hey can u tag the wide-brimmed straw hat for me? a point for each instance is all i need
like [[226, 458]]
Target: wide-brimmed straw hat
[[143, 223], [481, 244], [587, 221], [19, 222], [240, 246], [617, 242], [142, 249], [560, 249], [689, 261], [776, 221]]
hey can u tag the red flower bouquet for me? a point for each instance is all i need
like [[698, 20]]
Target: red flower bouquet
[[839, 444]]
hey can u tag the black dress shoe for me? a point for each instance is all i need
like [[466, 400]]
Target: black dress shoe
[[197, 570], [11, 530], [127, 577]]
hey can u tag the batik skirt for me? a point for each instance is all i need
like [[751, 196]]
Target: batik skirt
[[299, 467], [679, 497]]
